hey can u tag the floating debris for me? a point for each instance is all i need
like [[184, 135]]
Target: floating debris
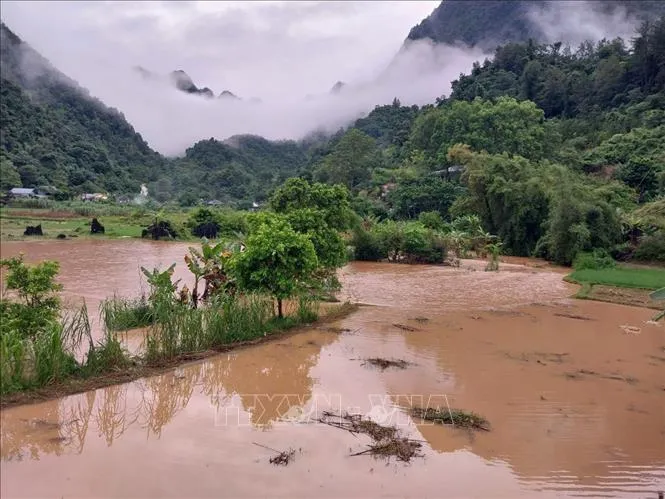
[[573, 316], [580, 373], [631, 329], [355, 423], [384, 364], [283, 458], [405, 328], [402, 448], [454, 417], [387, 442]]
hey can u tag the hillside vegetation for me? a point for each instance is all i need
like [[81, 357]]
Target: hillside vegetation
[[556, 150], [489, 23]]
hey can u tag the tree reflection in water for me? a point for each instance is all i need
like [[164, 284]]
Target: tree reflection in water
[[268, 380]]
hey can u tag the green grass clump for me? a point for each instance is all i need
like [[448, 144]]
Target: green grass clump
[[121, 314], [620, 277], [454, 417]]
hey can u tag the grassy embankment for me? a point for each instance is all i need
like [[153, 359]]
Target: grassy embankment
[[73, 220], [45, 367], [620, 284], [46, 352]]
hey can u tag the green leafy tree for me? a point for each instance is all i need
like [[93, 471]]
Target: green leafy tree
[[277, 260], [332, 200], [38, 304], [9, 176], [351, 160], [506, 125]]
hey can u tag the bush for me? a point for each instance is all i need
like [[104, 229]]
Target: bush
[[597, 259], [651, 248], [408, 242], [38, 304], [366, 245], [431, 220]]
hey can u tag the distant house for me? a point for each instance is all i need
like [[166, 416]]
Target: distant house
[[95, 196], [449, 172], [386, 188], [25, 193], [214, 202]]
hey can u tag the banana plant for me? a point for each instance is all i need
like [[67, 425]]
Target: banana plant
[[161, 286]]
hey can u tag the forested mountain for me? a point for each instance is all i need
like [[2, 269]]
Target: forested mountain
[[489, 23], [54, 133], [241, 168], [555, 150]]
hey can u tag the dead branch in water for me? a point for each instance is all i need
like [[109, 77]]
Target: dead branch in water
[[386, 443], [282, 458], [354, 424], [405, 328], [402, 448], [384, 364], [573, 316]]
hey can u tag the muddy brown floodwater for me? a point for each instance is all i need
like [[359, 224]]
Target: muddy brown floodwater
[[576, 402]]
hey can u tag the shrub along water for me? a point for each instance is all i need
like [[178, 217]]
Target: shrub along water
[[40, 345], [121, 314]]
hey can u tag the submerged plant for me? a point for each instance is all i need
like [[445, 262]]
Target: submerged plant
[[494, 251]]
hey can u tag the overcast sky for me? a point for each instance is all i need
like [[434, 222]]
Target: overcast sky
[[262, 49], [289, 54]]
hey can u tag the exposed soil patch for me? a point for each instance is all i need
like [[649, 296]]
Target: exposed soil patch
[[384, 364], [453, 417], [623, 296]]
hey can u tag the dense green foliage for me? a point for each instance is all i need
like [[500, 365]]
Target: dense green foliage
[[37, 306], [242, 168], [556, 151]]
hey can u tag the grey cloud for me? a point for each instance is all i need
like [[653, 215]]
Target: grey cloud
[[578, 21], [279, 52]]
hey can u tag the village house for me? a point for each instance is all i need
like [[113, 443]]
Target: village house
[[26, 193], [96, 196]]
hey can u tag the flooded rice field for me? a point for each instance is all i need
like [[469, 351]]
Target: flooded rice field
[[576, 402]]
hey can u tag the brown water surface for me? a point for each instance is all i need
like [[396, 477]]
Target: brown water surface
[[576, 404]]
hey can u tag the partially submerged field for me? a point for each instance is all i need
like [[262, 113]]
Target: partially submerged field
[[573, 401], [624, 285]]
